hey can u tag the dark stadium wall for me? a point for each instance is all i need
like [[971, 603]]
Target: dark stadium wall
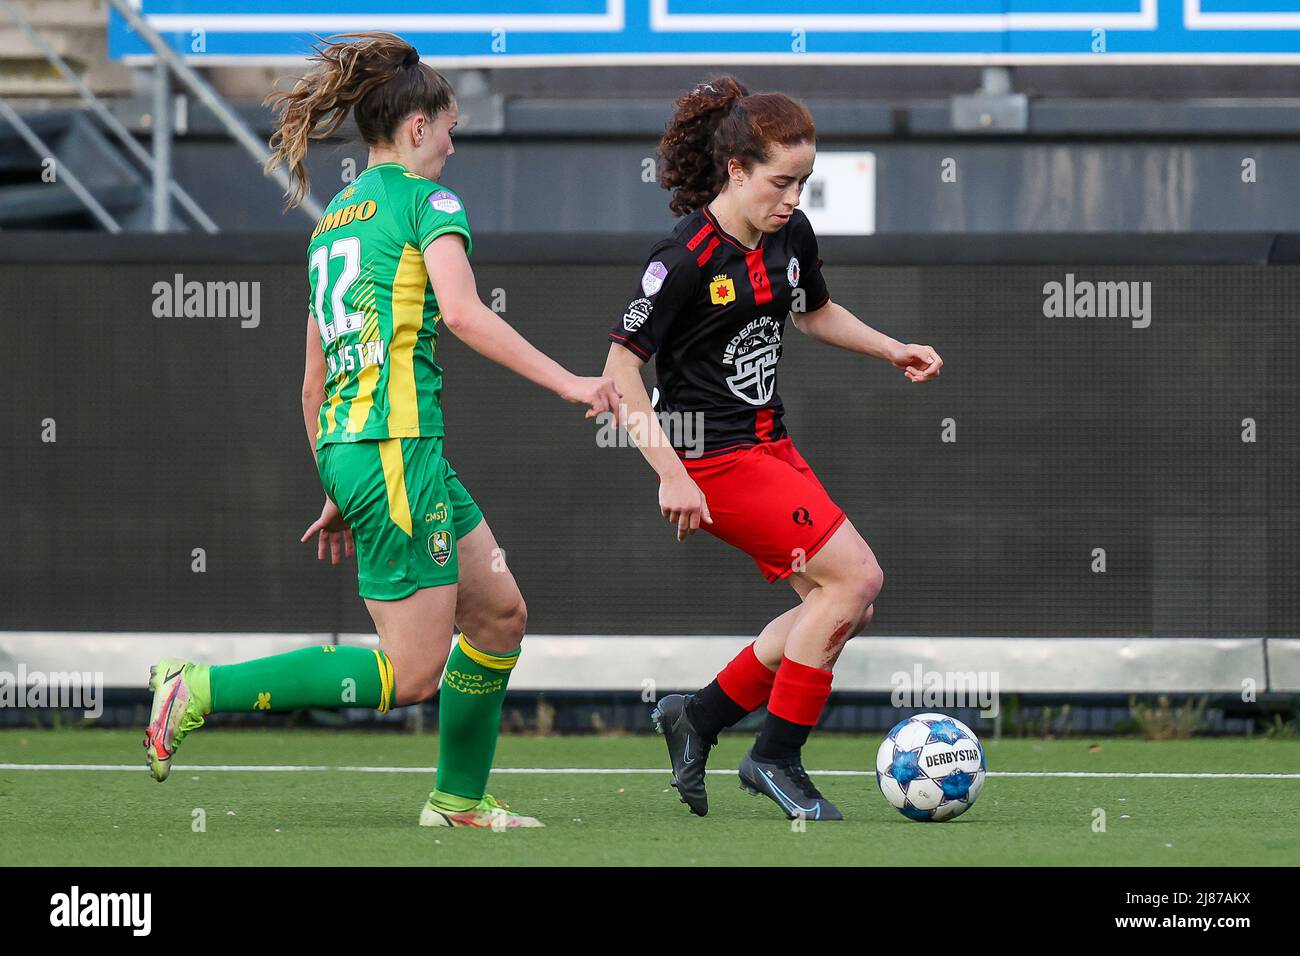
[[1072, 434]]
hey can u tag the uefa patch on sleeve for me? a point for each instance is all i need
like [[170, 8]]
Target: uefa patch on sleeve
[[445, 201], [653, 280]]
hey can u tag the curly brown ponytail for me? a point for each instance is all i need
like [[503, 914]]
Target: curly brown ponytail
[[715, 122], [378, 76]]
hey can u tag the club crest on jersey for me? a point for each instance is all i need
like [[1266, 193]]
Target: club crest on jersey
[[722, 291], [653, 279], [440, 547], [445, 201], [753, 353], [637, 312], [792, 272]]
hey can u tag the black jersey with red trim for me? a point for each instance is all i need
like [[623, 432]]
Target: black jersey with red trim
[[712, 311]]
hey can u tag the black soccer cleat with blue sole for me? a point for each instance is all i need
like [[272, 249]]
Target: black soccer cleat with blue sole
[[786, 784], [688, 751]]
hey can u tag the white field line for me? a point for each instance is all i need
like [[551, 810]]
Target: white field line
[[288, 768]]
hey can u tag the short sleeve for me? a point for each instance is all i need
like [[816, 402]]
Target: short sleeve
[[810, 275], [668, 287], [437, 212]]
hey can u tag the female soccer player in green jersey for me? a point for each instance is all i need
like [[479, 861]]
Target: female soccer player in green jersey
[[387, 262]]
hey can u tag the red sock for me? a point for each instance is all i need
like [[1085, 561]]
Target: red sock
[[746, 680], [799, 693]]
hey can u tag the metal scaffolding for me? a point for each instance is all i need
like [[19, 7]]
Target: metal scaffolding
[[164, 188]]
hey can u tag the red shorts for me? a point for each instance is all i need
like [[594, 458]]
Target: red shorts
[[766, 501]]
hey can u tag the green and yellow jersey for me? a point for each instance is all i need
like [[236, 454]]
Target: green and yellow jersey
[[375, 308]]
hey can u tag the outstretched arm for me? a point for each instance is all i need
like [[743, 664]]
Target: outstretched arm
[[492, 337], [836, 325]]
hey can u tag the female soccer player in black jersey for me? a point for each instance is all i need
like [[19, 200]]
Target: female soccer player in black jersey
[[711, 307]]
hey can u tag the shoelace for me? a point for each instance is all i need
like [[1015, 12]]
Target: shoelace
[[797, 774]]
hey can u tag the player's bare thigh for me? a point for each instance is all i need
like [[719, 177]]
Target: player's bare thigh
[[415, 635], [489, 608], [845, 562]]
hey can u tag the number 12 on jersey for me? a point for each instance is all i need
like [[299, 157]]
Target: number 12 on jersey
[[341, 321]]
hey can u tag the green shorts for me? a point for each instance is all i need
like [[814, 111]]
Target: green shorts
[[407, 510]]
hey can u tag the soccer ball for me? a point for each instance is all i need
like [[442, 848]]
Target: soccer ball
[[930, 767]]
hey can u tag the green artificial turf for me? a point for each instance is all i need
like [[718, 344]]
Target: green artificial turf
[[340, 817]]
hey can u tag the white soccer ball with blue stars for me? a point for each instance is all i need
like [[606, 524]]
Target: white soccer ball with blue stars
[[931, 767]]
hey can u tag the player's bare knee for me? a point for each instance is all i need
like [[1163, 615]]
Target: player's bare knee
[[869, 581], [865, 620], [499, 630], [857, 592], [417, 680], [415, 687], [515, 623]]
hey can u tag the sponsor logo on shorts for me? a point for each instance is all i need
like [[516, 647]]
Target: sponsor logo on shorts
[[440, 547]]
